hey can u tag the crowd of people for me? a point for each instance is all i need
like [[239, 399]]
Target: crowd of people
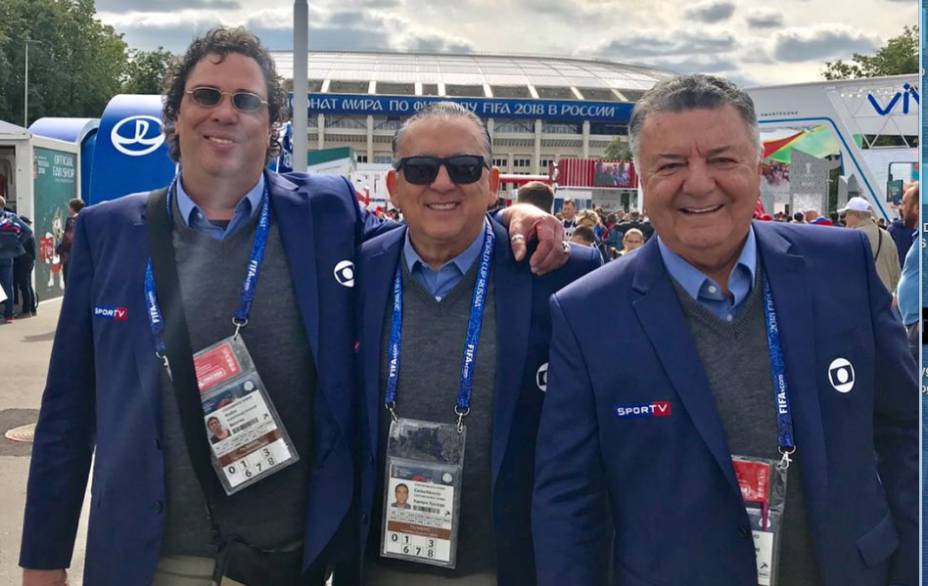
[[277, 388], [17, 260], [614, 234]]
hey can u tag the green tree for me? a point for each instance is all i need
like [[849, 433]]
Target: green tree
[[76, 63], [618, 150], [899, 56], [145, 71]]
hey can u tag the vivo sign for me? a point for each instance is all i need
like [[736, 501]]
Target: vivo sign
[[908, 91]]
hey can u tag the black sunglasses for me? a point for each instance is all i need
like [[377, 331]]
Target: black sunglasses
[[423, 169], [210, 97]]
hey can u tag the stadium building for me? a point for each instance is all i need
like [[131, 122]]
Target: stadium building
[[537, 109]]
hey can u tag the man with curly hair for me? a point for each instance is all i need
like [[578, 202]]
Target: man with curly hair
[[158, 514]]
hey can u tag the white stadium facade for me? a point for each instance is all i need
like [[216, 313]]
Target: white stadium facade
[[537, 109]]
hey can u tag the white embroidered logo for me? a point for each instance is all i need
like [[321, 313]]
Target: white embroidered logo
[[841, 375], [344, 273]]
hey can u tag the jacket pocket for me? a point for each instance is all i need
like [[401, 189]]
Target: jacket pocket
[[879, 543]]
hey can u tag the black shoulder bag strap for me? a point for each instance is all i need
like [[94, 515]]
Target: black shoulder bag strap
[[879, 245], [236, 559], [177, 341]]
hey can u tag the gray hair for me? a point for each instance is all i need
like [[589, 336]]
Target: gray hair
[[446, 110], [692, 92]]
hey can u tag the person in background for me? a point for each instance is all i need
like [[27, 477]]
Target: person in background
[[568, 216], [538, 194], [882, 246], [67, 239], [23, 266], [583, 235], [633, 240], [13, 235], [904, 228], [907, 290]]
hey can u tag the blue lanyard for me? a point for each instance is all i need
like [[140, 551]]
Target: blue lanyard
[[474, 323], [240, 319], [786, 444]]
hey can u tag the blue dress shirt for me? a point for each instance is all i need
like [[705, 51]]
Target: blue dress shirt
[[907, 289], [196, 220], [439, 283], [706, 291]]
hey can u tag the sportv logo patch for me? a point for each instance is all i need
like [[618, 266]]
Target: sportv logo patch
[[114, 313], [655, 409]]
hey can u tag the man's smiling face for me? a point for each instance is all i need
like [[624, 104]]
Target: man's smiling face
[[700, 173]]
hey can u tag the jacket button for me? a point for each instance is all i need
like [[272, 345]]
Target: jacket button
[[158, 506], [745, 532]]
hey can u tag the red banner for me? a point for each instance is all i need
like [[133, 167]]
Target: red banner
[[594, 173]]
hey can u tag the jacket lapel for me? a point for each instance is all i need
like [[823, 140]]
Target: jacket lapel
[[297, 234], [377, 272], [513, 297], [149, 369], [792, 297], [662, 318]]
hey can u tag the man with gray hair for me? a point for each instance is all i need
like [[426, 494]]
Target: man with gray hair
[[882, 245], [453, 346], [759, 425]]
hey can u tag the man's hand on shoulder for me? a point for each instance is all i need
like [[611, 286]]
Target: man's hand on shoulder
[[44, 577], [527, 222]]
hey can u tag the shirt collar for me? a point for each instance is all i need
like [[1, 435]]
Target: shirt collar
[[246, 207], [693, 280], [462, 261]]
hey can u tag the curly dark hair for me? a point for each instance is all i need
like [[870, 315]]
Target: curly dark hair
[[223, 41]]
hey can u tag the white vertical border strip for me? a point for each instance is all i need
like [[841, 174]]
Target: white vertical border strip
[[923, 25]]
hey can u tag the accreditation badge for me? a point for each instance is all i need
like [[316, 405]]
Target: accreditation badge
[[422, 491], [247, 438], [763, 488]]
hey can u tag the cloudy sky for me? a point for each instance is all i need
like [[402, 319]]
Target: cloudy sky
[[754, 42]]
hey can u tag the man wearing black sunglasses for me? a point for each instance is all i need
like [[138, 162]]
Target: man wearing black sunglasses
[[464, 304], [225, 218]]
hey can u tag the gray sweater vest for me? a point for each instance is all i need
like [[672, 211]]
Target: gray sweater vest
[[272, 511], [430, 373], [737, 363]]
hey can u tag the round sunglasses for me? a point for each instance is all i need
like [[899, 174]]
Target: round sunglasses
[[423, 169], [210, 97]]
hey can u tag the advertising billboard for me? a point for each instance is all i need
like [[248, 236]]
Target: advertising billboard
[[54, 184]]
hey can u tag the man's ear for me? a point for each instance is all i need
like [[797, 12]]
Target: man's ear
[[391, 186], [493, 185]]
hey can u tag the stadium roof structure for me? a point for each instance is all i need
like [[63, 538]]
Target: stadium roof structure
[[472, 75]]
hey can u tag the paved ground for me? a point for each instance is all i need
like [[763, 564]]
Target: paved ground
[[26, 347]]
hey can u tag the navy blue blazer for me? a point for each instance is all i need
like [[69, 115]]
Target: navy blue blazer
[[672, 494], [523, 328], [103, 389]]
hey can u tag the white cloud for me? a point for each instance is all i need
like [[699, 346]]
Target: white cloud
[[764, 19], [711, 12], [753, 40], [822, 41]]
